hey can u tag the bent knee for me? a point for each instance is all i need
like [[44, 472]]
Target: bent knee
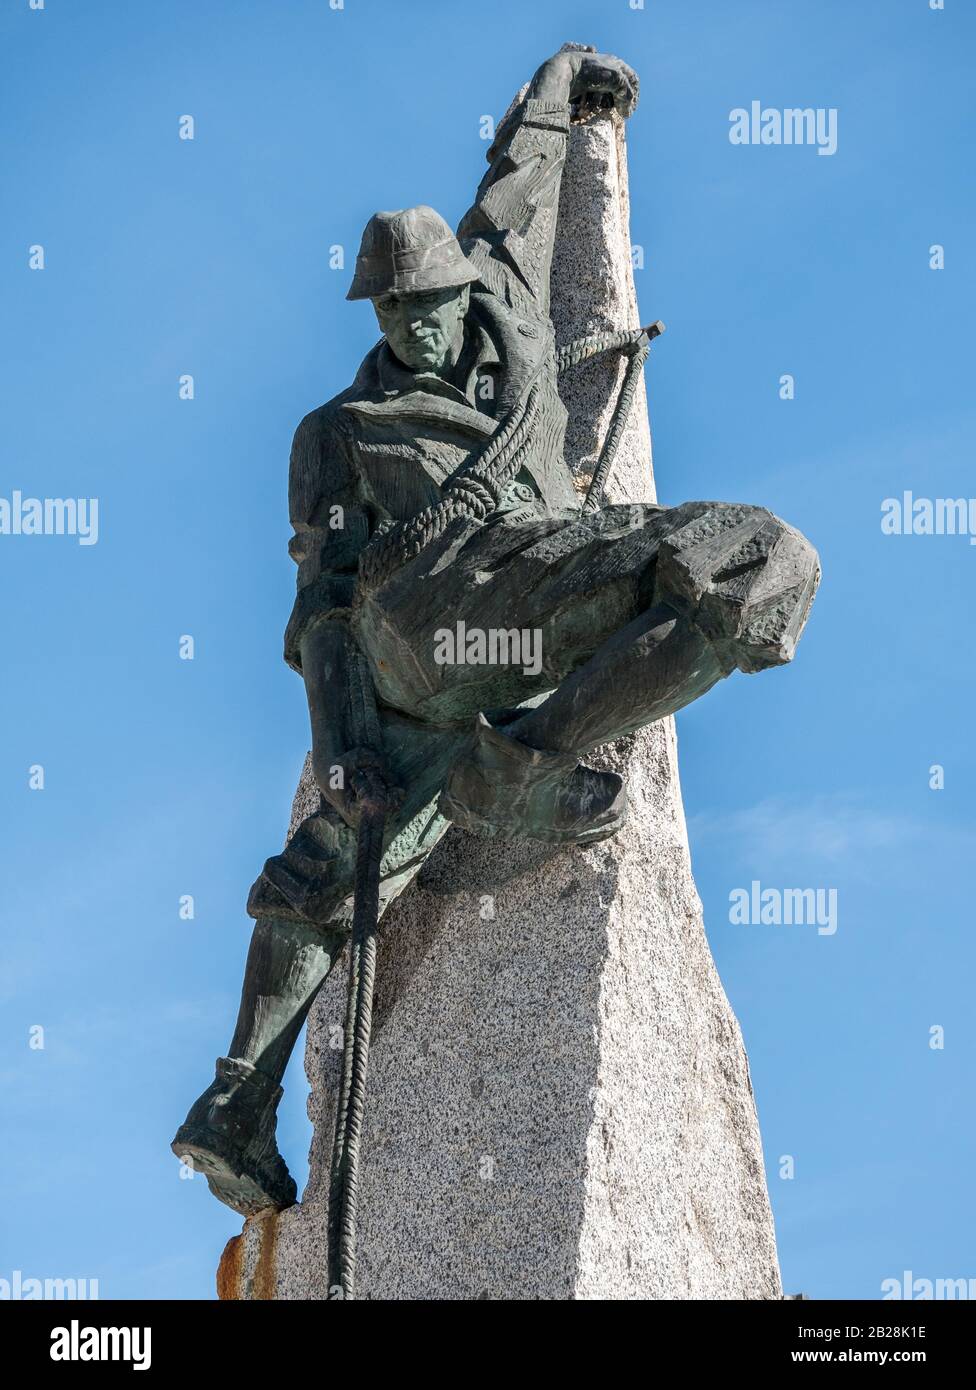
[[745, 577]]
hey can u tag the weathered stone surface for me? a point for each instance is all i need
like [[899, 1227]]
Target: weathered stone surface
[[559, 1099]]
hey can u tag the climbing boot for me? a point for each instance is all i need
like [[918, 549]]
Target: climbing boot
[[229, 1136], [505, 788]]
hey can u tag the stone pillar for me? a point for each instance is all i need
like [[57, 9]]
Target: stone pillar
[[559, 1098]]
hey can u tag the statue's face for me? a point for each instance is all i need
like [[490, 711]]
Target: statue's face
[[423, 329]]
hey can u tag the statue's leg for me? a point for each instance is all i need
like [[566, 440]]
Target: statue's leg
[[653, 667], [732, 589], [287, 964], [229, 1133], [523, 777], [726, 587], [302, 902]]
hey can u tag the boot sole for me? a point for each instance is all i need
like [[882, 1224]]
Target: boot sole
[[247, 1192]]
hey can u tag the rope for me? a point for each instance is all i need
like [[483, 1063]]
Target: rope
[[473, 494], [373, 799], [344, 1185], [618, 424], [584, 349]]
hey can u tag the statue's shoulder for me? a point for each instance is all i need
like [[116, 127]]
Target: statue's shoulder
[[326, 423], [322, 460], [329, 424]]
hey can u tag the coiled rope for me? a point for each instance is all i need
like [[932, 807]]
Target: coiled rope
[[476, 492]]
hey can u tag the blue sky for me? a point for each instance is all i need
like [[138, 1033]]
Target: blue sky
[[166, 777]]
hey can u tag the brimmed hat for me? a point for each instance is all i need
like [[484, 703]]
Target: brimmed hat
[[408, 252]]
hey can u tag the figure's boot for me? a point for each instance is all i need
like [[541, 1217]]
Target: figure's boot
[[525, 780], [503, 787], [229, 1134]]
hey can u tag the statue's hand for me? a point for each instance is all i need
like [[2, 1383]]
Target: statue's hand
[[590, 81], [601, 81], [345, 780]]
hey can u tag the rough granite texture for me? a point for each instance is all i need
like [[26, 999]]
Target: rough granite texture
[[559, 1098]]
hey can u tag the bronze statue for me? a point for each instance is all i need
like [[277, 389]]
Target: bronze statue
[[465, 626]]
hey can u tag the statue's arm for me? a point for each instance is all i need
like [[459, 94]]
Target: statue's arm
[[331, 525], [510, 229]]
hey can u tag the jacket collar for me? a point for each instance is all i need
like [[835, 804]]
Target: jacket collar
[[477, 352], [494, 338]]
